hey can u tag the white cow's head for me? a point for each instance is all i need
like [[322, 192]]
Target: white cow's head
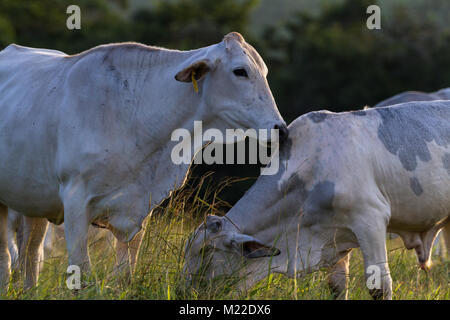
[[231, 79], [218, 248]]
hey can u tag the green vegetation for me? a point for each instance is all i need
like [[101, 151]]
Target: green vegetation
[[158, 275]]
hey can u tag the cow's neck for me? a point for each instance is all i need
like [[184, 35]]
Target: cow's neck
[[252, 213], [183, 107], [162, 175], [155, 105], [270, 207]]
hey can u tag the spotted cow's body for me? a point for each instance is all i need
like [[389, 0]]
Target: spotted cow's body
[[398, 158], [347, 179]]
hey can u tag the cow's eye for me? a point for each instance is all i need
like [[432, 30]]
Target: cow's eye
[[240, 72]]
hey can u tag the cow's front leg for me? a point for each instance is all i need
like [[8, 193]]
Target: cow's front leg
[[15, 230], [338, 278], [371, 236], [30, 251], [76, 226], [129, 231], [5, 258]]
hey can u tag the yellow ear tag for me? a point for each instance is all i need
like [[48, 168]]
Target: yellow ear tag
[[194, 82]]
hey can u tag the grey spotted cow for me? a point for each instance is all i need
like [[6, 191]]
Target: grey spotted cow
[[346, 180]]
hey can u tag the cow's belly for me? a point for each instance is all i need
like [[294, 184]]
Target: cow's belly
[[420, 204], [415, 184], [417, 219], [34, 200], [27, 181]]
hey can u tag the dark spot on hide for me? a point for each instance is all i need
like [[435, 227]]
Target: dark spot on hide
[[415, 186], [446, 162], [317, 203], [406, 129], [317, 116], [321, 197]]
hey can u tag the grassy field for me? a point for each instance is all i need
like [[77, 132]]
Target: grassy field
[[158, 273]]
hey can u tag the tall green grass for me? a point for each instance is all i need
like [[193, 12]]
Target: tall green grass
[[158, 273]]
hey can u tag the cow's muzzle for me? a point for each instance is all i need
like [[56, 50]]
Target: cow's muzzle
[[282, 132]]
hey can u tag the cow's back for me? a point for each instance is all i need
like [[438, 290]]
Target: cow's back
[[27, 76], [409, 96], [396, 156], [17, 62]]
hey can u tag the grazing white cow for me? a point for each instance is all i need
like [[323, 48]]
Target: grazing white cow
[[347, 179], [86, 139]]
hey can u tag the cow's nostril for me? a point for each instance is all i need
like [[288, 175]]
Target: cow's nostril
[[282, 131]]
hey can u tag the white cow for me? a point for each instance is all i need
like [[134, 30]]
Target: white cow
[[347, 179], [86, 139]]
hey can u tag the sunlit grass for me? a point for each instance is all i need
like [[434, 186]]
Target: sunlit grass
[[158, 274]]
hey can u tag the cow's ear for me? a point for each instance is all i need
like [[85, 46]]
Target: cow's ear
[[213, 223], [233, 38], [197, 70], [251, 248]]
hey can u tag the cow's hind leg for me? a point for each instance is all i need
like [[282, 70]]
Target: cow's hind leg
[[446, 235], [371, 236], [338, 278], [5, 258], [127, 254], [439, 247], [30, 252]]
